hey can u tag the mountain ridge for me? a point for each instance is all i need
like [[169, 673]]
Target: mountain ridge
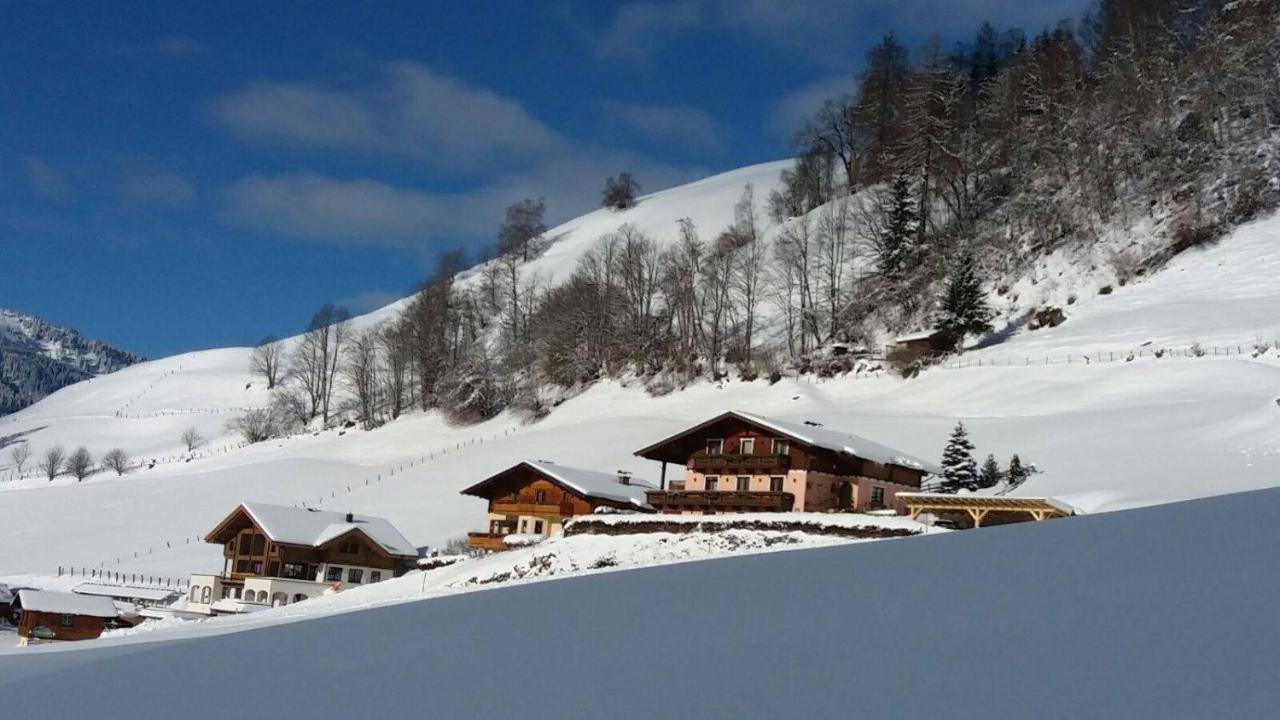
[[38, 358]]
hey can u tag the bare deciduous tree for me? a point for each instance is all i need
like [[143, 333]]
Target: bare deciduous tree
[[318, 357], [52, 460], [118, 460], [268, 360], [255, 425], [80, 463], [363, 372], [20, 453], [192, 439], [522, 227], [620, 192]]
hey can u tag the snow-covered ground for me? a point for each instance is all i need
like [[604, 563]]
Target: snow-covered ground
[[1105, 436], [1164, 612]]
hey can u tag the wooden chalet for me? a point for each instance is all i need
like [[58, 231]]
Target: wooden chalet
[[534, 499], [44, 616], [742, 462], [276, 555]]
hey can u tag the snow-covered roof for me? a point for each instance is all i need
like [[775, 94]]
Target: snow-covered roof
[[121, 591], [66, 603], [305, 526], [587, 483], [592, 483], [841, 442], [917, 335], [813, 435]]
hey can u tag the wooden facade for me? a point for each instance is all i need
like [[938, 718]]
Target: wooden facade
[[35, 625], [249, 552], [735, 463], [527, 499]]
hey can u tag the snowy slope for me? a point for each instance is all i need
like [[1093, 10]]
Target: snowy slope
[[1106, 435], [1111, 616]]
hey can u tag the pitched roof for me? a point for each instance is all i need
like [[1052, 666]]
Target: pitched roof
[[816, 436], [98, 589], [67, 603], [313, 528], [587, 483]]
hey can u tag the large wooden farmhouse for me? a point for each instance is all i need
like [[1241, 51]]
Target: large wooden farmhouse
[[741, 462], [535, 498], [44, 616], [276, 555]]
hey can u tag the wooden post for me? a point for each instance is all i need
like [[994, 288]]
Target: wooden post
[[662, 482], [977, 515]]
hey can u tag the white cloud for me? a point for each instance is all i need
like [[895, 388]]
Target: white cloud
[[681, 125], [793, 110], [44, 179], [411, 111], [365, 211], [638, 27]]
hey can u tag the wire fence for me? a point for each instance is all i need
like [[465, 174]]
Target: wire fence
[[136, 580], [1195, 351]]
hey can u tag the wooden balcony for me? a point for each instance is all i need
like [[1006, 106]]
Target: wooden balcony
[[486, 541], [547, 510], [754, 463], [673, 501]]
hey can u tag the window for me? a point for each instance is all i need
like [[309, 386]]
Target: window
[[537, 527], [299, 597], [205, 595], [259, 544], [246, 543], [877, 496], [715, 447], [349, 547], [297, 571], [334, 574], [540, 496], [375, 576], [775, 483], [355, 575], [66, 620], [747, 446], [744, 483], [712, 481], [195, 593], [781, 446], [242, 566]]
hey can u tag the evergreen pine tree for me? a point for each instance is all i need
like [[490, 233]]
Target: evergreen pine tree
[[990, 473], [895, 243], [1017, 472], [963, 306], [958, 467]]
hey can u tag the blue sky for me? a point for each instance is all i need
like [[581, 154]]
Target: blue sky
[[175, 178]]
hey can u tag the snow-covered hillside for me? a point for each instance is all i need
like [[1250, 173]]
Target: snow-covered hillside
[[1161, 612], [1106, 435]]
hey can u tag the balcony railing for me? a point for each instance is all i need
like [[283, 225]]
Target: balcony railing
[[507, 507], [768, 462], [730, 501], [486, 541]]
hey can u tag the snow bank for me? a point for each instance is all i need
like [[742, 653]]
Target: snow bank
[[1162, 628]]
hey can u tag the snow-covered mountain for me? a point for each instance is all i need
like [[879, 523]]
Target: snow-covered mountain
[[1159, 390], [38, 358]]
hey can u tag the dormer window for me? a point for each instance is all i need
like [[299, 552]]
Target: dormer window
[[715, 447]]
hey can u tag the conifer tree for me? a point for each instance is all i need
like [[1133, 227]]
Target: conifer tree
[[963, 306], [895, 243], [1017, 473], [990, 474], [958, 467]]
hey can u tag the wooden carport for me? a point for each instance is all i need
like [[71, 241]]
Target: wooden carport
[[979, 507]]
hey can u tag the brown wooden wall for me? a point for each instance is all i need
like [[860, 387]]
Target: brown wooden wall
[[520, 494], [83, 627]]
